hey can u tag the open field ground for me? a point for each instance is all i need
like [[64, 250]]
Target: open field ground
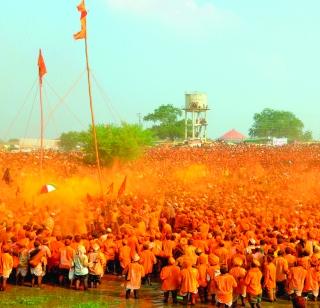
[[109, 295]]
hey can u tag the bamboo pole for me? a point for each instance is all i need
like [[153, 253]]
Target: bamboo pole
[[92, 118], [41, 125]]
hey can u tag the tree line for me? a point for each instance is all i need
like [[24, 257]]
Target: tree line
[[127, 141]]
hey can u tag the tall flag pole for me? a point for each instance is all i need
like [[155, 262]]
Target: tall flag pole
[[82, 34], [42, 72]]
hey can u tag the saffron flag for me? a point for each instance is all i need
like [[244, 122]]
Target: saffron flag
[[110, 189], [83, 20], [42, 66], [122, 187], [6, 176]]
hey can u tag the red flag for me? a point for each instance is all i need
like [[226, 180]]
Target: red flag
[[42, 66], [83, 20], [122, 187], [110, 189], [6, 176]]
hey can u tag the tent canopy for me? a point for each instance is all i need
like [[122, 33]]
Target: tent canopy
[[232, 135]]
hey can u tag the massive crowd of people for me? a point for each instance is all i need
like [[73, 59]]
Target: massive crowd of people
[[221, 225]]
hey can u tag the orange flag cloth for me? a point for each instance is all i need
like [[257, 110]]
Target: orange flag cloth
[[42, 67], [83, 32], [110, 189], [122, 187]]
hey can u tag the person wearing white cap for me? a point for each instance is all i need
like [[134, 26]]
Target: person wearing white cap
[[97, 262], [134, 272]]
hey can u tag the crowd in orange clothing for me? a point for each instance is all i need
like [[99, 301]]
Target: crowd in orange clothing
[[225, 224]]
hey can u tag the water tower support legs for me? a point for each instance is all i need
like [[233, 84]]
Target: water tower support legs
[[193, 125], [185, 125]]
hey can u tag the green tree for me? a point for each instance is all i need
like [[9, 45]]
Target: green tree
[[123, 142], [167, 122], [307, 136], [71, 140], [165, 114], [274, 123]]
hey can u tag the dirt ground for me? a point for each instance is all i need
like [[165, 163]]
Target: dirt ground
[[109, 294]]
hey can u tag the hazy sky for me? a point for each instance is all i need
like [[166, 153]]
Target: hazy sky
[[245, 54]]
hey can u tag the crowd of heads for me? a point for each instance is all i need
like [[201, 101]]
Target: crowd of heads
[[206, 207]]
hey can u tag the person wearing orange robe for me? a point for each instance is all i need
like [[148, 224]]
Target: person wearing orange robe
[[133, 244], [253, 283], [148, 260], [134, 272], [225, 283], [239, 273], [291, 259], [66, 253], [109, 249], [296, 279], [269, 283], [166, 229], [312, 278], [55, 246], [171, 279], [7, 264], [201, 244], [14, 248], [167, 246], [189, 281], [213, 271], [203, 283], [222, 252], [190, 252], [124, 255], [156, 247], [281, 272]]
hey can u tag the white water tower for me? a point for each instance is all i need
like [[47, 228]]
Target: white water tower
[[196, 108]]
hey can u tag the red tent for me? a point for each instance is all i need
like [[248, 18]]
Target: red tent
[[232, 136]]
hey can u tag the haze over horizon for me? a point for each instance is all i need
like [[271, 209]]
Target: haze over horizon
[[246, 55]]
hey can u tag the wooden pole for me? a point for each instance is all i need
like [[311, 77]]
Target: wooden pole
[[92, 118], [41, 126]]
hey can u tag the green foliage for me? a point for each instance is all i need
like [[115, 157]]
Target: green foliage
[[165, 115], [71, 140], [123, 142], [307, 136], [167, 122], [274, 123], [172, 130]]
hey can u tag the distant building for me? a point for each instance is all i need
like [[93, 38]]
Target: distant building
[[233, 136], [34, 144]]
